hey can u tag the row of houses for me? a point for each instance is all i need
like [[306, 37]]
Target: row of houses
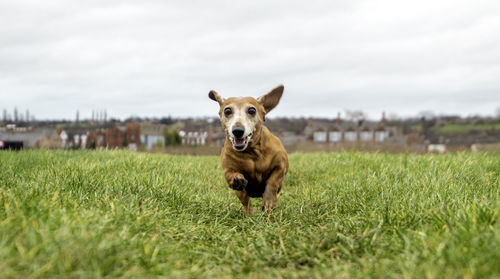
[[351, 135], [350, 132], [153, 135], [73, 138], [150, 135], [131, 136]]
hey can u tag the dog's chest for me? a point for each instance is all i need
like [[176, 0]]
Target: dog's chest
[[256, 170]]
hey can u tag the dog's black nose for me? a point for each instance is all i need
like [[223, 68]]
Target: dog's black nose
[[238, 131]]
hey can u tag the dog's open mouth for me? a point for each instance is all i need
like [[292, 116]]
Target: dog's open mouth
[[241, 144]]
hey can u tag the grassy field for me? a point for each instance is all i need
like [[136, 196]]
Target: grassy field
[[120, 214]]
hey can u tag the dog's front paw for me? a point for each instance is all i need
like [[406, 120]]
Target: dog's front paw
[[238, 183], [269, 199], [268, 206]]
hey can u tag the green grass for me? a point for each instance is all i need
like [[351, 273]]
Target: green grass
[[121, 214]]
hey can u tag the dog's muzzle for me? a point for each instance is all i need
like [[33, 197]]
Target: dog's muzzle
[[240, 144]]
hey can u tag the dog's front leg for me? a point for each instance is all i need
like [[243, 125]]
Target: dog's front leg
[[245, 201], [273, 185], [235, 180]]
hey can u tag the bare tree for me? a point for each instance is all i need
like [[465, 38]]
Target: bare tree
[[354, 115], [393, 117], [427, 114], [16, 118]]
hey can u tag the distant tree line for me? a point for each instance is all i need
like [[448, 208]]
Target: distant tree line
[[172, 138]]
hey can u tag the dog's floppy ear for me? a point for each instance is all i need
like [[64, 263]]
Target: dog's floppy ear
[[271, 99], [215, 96]]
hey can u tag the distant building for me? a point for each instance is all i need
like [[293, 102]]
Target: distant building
[[289, 138], [133, 135], [335, 135], [74, 139], [115, 137], [366, 134], [349, 132], [320, 136], [96, 138], [152, 135], [381, 135], [28, 136], [194, 137], [438, 148], [216, 138], [350, 135], [52, 142]]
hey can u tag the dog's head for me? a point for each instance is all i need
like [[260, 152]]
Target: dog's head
[[241, 117]]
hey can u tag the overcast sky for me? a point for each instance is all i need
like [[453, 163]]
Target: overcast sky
[[158, 58]]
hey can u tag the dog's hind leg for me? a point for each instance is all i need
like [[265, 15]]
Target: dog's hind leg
[[245, 201]]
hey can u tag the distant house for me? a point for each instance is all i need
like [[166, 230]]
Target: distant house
[[52, 142], [351, 135], [194, 137], [74, 138], [438, 148], [96, 138], [335, 135], [133, 135], [366, 134], [115, 137], [320, 136], [152, 135], [216, 138], [316, 128], [64, 138], [348, 132], [28, 136], [128, 136], [290, 138], [149, 141], [381, 134]]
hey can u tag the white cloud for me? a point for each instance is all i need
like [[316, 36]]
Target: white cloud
[[160, 58]]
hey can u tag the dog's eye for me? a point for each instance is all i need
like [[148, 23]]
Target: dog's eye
[[227, 111], [252, 111]]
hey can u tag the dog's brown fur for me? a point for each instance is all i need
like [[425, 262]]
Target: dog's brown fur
[[258, 170]]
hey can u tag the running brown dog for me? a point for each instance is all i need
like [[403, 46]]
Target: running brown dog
[[253, 159]]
